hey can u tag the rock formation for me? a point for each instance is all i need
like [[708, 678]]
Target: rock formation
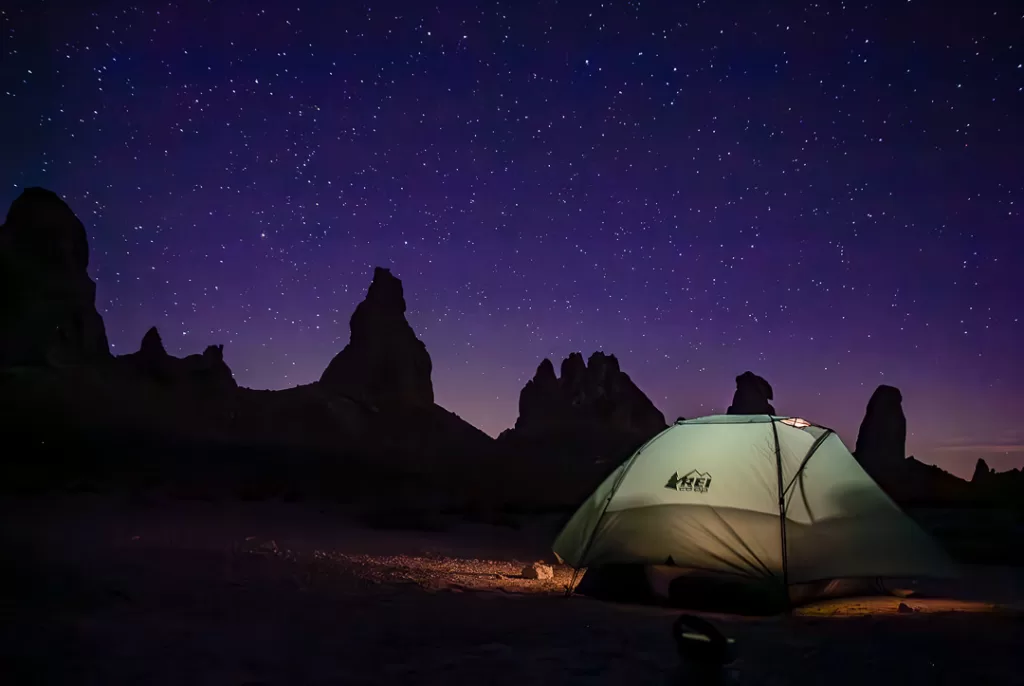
[[573, 429], [998, 488], [881, 451], [882, 439], [917, 483], [541, 397], [595, 392], [981, 472], [384, 363], [68, 407], [47, 300], [753, 395], [207, 372]]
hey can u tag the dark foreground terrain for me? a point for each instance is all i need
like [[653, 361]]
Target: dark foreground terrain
[[102, 591]]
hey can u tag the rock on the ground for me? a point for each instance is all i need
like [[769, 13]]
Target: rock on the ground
[[539, 571]]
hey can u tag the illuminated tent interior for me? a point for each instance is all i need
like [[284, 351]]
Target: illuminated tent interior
[[695, 517]]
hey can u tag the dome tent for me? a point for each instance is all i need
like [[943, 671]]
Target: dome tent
[[750, 506]]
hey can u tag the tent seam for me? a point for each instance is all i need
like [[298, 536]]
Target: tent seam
[[782, 510], [807, 458], [614, 490]]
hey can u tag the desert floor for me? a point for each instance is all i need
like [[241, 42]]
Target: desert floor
[[104, 591]]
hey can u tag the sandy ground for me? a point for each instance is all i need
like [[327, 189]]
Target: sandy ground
[[100, 592]]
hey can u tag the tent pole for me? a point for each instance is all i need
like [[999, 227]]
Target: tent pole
[[572, 583], [782, 514]]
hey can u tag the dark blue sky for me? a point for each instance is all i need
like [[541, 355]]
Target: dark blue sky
[[828, 194]]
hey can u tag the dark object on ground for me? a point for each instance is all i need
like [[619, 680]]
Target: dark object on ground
[[705, 653], [619, 583], [629, 583]]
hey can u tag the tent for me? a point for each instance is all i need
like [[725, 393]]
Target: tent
[[756, 509]]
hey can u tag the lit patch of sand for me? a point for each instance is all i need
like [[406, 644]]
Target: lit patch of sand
[[887, 605], [437, 572], [441, 572]]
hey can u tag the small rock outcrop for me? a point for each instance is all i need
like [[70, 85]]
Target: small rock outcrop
[[882, 439], [384, 363], [981, 472], [48, 311], [152, 362], [1000, 488], [593, 392], [753, 395], [917, 483]]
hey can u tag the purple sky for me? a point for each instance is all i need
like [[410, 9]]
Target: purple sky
[[829, 195]]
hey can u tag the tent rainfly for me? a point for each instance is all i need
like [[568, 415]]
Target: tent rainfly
[[771, 502]]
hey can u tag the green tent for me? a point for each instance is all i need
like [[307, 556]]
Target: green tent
[[749, 501]]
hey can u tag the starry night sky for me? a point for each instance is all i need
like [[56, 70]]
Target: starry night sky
[[827, 194]]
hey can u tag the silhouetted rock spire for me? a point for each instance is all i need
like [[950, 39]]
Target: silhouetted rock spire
[[152, 344], [384, 362], [981, 472], [882, 439], [753, 395], [47, 300]]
